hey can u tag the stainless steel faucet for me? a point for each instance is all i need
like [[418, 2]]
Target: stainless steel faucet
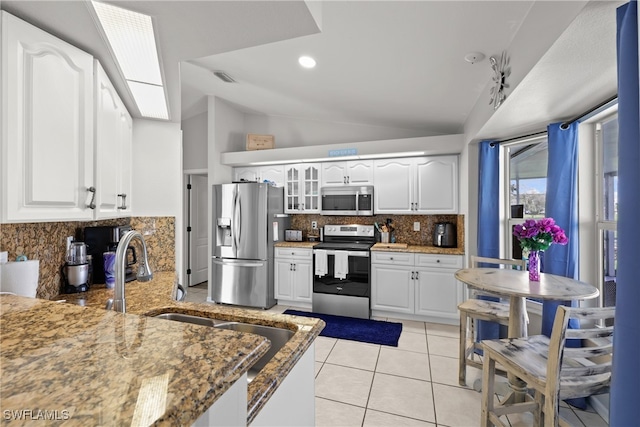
[[144, 271]]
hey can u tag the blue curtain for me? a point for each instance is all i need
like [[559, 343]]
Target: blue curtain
[[488, 219], [561, 205], [624, 410]]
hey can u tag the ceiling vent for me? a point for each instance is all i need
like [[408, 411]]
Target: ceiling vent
[[223, 76]]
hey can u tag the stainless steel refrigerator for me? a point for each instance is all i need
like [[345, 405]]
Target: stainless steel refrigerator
[[247, 219]]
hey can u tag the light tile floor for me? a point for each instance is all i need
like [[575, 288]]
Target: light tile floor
[[414, 384]]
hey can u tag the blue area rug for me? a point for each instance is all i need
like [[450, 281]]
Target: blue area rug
[[350, 328]]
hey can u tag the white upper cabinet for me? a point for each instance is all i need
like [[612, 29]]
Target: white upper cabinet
[[357, 172], [274, 173], [248, 174], [113, 137], [436, 185], [47, 112], [420, 185], [395, 181], [302, 188]]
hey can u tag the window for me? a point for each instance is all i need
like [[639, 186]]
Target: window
[[607, 201], [528, 179], [526, 166]]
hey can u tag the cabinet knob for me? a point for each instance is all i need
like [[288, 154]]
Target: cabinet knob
[[391, 258], [92, 202], [438, 261]]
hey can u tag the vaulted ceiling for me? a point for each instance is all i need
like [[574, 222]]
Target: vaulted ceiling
[[398, 64]]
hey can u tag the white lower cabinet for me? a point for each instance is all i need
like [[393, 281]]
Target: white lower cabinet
[[394, 288], [229, 410], [293, 276], [416, 284], [293, 403]]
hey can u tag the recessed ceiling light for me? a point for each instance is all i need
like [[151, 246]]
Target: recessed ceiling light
[[307, 61]]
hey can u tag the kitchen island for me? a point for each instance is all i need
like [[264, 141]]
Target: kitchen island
[[91, 366]]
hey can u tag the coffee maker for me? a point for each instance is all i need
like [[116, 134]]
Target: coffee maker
[[105, 239], [76, 270]]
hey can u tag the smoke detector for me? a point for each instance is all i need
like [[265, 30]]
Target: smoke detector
[[474, 57], [223, 76]]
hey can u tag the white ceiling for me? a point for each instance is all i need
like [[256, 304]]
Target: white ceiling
[[397, 64]]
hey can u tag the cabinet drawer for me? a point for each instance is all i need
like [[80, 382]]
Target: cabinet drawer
[[441, 261], [393, 258], [294, 253]]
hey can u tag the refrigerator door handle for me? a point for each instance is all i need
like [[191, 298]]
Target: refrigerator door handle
[[236, 222], [239, 210], [235, 263]]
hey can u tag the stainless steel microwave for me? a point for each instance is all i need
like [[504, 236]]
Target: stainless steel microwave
[[349, 201]]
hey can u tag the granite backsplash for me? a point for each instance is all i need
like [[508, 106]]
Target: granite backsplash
[[46, 241], [403, 225]]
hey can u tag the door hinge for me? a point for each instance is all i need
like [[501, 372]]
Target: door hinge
[[189, 229], [188, 271]]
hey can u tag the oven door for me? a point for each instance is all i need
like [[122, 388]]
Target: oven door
[[356, 283]]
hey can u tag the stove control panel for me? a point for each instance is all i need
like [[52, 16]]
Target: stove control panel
[[353, 230]]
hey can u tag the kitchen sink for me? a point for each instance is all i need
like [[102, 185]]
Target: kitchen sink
[[187, 318], [277, 336]]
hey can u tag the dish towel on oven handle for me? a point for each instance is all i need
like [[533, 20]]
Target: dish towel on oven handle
[[341, 265], [321, 262]]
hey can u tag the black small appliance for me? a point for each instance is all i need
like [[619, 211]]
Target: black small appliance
[[444, 235], [105, 239]]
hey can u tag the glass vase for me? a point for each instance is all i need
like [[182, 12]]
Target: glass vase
[[534, 266]]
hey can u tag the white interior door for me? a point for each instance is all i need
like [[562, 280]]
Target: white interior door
[[199, 230]]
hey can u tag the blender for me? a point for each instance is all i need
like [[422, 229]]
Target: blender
[[75, 271]]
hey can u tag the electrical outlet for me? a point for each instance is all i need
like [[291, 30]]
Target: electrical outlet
[[69, 240], [314, 225], [416, 226]]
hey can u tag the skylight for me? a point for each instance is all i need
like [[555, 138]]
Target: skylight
[[132, 41]]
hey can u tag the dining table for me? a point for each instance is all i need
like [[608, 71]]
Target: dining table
[[516, 286]]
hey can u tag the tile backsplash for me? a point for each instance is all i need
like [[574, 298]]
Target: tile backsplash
[[403, 225], [46, 241]]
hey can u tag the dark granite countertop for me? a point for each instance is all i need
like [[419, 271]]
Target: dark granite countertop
[[95, 363]]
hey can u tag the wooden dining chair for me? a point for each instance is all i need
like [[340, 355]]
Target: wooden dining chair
[[474, 309], [552, 370]]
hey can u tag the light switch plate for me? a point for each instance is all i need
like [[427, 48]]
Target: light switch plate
[[416, 226]]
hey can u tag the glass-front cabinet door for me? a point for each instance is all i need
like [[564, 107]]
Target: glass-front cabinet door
[[302, 188], [292, 189], [311, 185]]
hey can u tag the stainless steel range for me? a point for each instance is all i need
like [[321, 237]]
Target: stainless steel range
[[342, 271]]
